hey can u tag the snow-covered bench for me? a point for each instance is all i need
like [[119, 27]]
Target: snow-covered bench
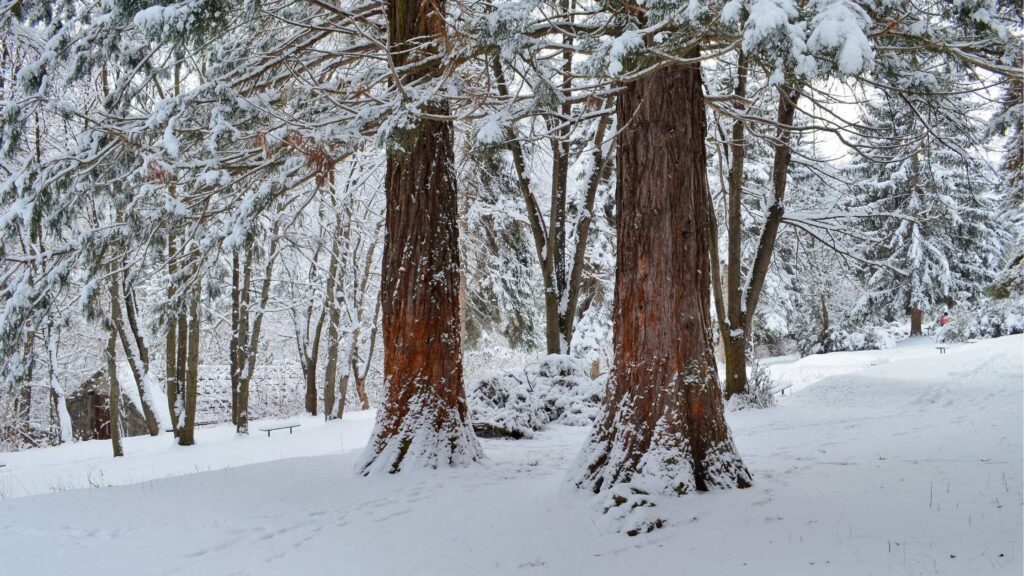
[[941, 349], [270, 429], [781, 390]]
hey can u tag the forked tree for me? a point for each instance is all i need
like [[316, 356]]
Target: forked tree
[[663, 428], [423, 422]]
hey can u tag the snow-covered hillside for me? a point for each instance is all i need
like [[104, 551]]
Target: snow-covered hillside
[[902, 461]]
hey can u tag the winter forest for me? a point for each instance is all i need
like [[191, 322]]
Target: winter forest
[[511, 286]]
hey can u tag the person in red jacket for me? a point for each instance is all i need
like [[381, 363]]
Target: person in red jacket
[[944, 319]]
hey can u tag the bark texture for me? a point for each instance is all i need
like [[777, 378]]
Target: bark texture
[[171, 382], [916, 315], [423, 422], [115, 390], [188, 430], [663, 428]]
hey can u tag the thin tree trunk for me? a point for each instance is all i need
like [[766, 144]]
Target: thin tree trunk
[[136, 363], [743, 300], [138, 373], [783, 151], [332, 305], [132, 309], [187, 437], [364, 398], [181, 369], [663, 425], [60, 405], [312, 361], [575, 280], [171, 382], [233, 352], [734, 338], [561, 293], [424, 420], [115, 390], [824, 318], [252, 344], [243, 351], [175, 334]]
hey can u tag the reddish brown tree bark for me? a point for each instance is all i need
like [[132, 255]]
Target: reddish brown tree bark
[[916, 317], [423, 421], [663, 428]]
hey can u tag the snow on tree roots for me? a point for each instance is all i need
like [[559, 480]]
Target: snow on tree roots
[[429, 435], [663, 429]]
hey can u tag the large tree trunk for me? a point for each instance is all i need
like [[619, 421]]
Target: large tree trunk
[[915, 321], [663, 427], [424, 420]]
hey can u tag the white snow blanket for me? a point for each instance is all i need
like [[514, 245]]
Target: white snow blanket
[[912, 465]]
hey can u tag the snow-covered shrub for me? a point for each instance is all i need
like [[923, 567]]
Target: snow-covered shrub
[[986, 319], [759, 389], [840, 339], [516, 404]]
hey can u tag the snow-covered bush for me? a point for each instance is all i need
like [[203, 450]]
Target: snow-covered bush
[[516, 404], [841, 339], [987, 319], [759, 390]]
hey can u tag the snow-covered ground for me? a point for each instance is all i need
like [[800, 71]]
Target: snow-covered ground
[[901, 461], [798, 373]]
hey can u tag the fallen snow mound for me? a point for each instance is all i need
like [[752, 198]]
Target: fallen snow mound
[[516, 404]]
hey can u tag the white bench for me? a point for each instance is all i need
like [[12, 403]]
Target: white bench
[[781, 390], [270, 429]]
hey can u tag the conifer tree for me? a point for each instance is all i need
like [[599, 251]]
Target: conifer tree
[[923, 196]]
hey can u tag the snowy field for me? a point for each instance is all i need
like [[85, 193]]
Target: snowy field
[[900, 461]]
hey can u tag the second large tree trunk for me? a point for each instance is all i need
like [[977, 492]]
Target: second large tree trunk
[[663, 427], [424, 420]]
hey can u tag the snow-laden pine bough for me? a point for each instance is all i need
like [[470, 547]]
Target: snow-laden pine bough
[[663, 429]]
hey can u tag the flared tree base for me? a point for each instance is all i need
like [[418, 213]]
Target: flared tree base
[[632, 464], [428, 435], [661, 462]]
